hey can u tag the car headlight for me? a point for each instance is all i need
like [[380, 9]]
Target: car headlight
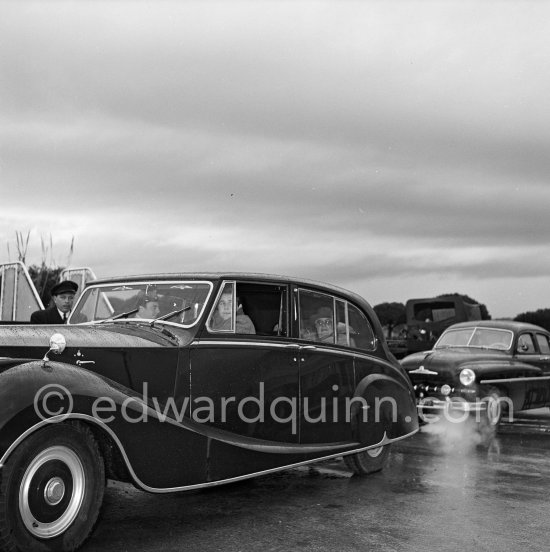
[[467, 377]]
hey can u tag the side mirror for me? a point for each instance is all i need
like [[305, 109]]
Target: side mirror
[[58, 343]]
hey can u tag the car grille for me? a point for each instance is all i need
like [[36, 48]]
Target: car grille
[[432, 387]]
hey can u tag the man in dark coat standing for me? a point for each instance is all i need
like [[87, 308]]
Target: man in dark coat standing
[[63, 296]]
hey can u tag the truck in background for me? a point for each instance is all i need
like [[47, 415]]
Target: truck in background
[[427, 318]]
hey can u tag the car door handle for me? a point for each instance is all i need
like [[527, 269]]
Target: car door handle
[[81, 362]]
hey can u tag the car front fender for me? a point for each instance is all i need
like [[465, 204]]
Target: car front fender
[[38, 391]]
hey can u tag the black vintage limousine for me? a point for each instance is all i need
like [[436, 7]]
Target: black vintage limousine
[[177, 382]]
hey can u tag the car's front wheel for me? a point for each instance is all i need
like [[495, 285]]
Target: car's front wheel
[[51, 490], [494, 408], [491, 416], [368, 461]]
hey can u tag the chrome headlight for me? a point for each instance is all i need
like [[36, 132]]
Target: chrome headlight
[[467, 377]]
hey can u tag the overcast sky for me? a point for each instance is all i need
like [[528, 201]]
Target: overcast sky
[[398, 149]]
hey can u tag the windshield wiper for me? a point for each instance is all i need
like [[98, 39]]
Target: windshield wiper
[[121, 315], [152, 323], [169, 315]]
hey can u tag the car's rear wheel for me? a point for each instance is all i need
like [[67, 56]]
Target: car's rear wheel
[[51, 490], [368, 461]]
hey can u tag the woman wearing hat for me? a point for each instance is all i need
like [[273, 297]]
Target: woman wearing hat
[[63, 295], [322, 322]]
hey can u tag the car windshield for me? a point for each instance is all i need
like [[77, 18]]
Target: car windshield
[[485, 338], [180, 303]]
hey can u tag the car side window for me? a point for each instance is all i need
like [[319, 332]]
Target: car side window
[[266, 307], [360, 329], [544, 346], [246, 308], [327, 319], [526, 344]]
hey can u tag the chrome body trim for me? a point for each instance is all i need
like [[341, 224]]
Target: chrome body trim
[[384, 441], [298, 347], [512, 380], [462, 406]]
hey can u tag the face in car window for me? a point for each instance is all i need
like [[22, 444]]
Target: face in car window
[[149, 309], [321, 321], [324, 329], [222, 318], [225, 306]]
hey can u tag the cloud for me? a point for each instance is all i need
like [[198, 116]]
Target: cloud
[[361, 143]]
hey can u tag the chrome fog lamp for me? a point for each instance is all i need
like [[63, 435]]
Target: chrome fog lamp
[[445, 389], [467, 377]]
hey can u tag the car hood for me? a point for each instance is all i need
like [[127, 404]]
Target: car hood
[[446, 364], [33, 341]]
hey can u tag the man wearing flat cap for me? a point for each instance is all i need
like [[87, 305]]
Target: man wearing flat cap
[[63, 296]]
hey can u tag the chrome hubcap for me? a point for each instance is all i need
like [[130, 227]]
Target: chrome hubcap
[[54, 491], [51, 492]]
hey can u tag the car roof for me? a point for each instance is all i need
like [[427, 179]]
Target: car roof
[[242, 276], [512, 325], [257, 276]]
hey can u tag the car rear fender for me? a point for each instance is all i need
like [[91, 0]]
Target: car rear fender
[[382, 404]]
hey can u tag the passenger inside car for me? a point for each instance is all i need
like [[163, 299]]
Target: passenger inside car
[[323, 325], [324, 329], [525, 344], [321, 328], [221, 320]]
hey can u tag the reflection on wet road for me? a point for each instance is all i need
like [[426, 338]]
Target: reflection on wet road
[[438, 493]]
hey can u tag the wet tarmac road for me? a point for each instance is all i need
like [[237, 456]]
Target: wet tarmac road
[[439, 493]]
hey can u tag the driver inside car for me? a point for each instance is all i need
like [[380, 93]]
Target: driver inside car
[[148, 307]]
